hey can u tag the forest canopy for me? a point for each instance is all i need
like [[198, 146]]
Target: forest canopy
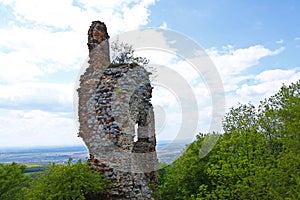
[[257, 157]]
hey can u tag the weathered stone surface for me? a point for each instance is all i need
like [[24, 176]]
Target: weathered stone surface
[[112, 100]]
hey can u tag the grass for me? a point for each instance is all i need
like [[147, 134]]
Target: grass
[[34, 169]]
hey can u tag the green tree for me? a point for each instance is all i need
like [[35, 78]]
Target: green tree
[[67, 182], [13, 181], [238, 158], [285, 179], [183, 178], [257, 157]]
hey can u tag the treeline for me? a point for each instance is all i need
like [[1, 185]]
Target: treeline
[[257, 157], [57, 181]]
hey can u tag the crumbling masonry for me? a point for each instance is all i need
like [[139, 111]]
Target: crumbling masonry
[[113, 100]]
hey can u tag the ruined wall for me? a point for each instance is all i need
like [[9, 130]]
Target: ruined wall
[[113, 99]]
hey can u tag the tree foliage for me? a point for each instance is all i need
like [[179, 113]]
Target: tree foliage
[[70, 181], [257, 157], [185, 175], [13, 181], [58, 181]]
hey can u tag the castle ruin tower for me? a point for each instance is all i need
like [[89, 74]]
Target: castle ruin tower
[[117, 120]]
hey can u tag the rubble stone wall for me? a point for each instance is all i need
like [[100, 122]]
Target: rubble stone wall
[[113, 100]]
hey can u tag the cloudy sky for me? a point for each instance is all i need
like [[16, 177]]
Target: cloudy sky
[[255, 45]]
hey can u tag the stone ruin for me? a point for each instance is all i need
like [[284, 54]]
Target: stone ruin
[[117, 120]]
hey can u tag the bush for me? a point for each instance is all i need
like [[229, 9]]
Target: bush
[[70, 181], [13, 181]]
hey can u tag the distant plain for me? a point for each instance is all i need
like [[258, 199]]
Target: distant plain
[[167, 151]]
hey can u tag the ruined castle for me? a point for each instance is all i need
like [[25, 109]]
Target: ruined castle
[[117, 120]]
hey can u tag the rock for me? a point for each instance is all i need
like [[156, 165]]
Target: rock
[[112, 99]]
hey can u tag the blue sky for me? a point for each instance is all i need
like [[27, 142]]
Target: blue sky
[[255, 46]]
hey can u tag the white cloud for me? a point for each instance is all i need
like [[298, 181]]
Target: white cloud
[[234, 61], [48, 37], [231, 63], [118, 15], [131, 21], [36, 128], [6, 2], [33, 53], [279, 75], [37, 96], [15, 68], [164, 25], [52, 36], [263, 85], [164, 97], [254, 91], [241, 87], [56, 13]]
